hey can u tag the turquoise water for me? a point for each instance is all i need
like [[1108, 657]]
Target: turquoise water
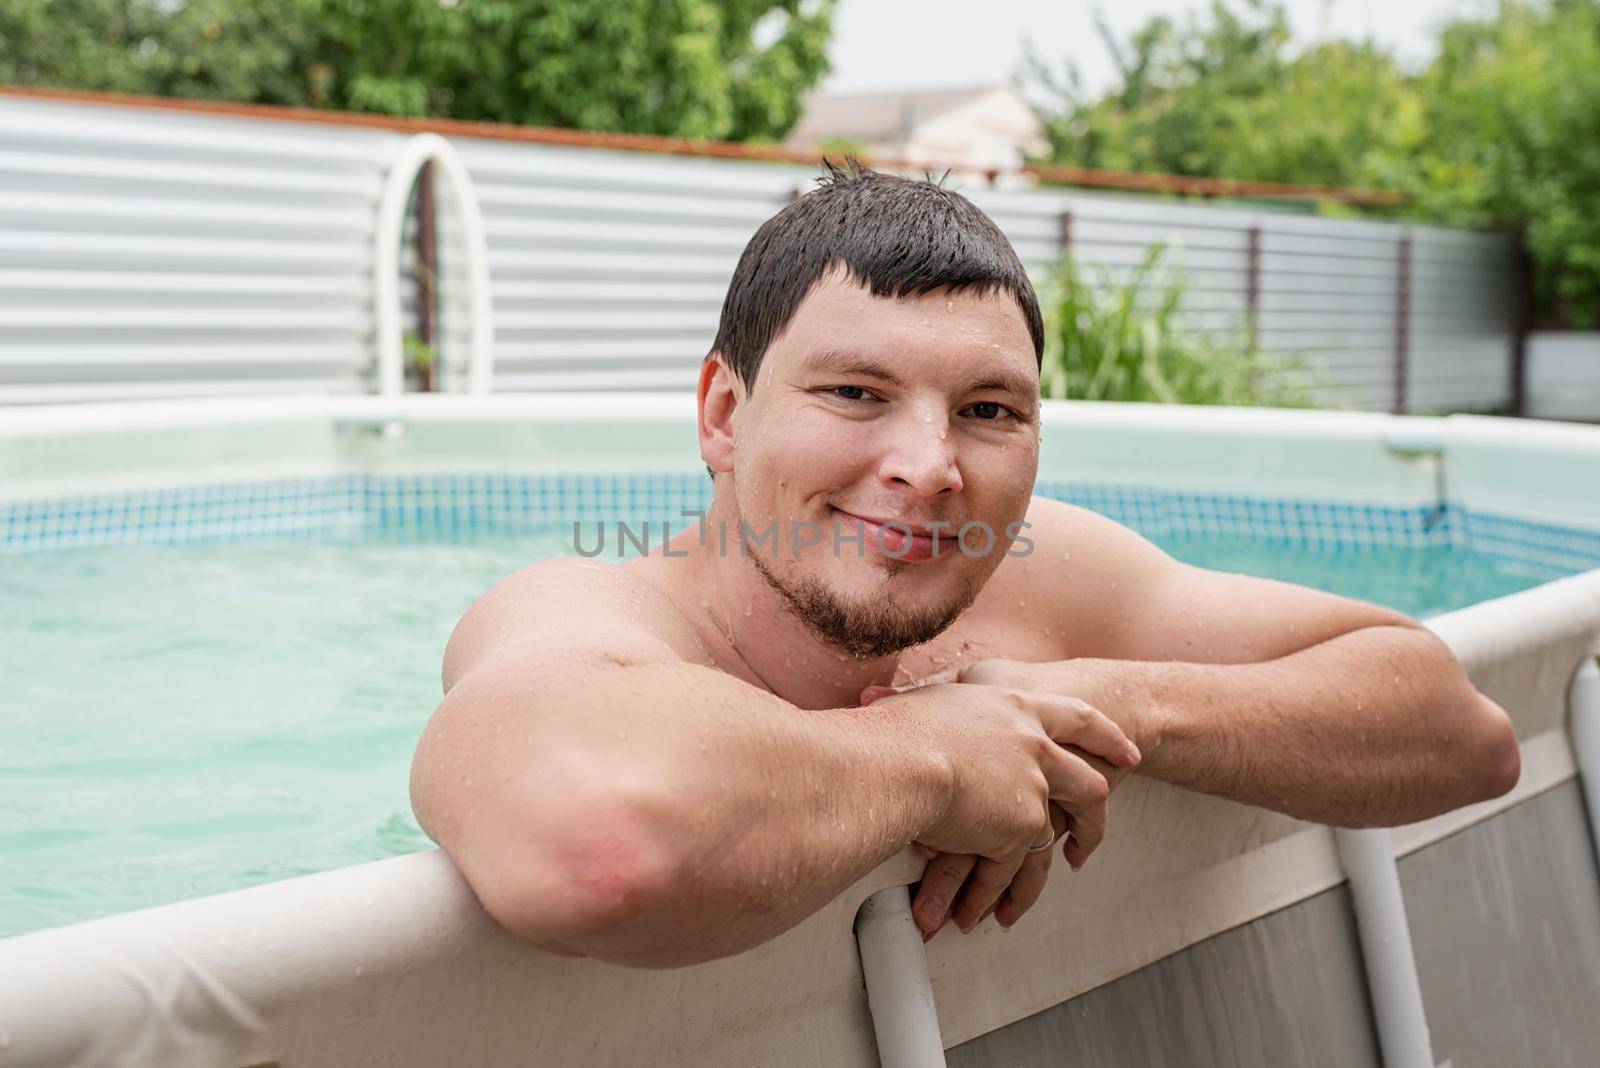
[[188, 720]]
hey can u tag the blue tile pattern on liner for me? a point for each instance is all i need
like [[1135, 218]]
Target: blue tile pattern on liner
[[463, 506], [1302, 523]]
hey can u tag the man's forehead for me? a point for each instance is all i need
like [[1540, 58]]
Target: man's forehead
[[984, 372], [840, 317]]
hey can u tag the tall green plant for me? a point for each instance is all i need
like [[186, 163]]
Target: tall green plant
[[1125, 340]]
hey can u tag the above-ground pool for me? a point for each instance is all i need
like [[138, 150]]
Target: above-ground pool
[[227, 622], [210, 705]]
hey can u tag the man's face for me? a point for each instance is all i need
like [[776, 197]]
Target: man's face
[[922, 410]]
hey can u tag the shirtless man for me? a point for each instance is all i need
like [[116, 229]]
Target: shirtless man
[[676, 758]]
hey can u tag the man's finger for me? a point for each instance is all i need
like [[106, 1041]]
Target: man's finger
[[1025, 889], [1070, 721], [941, 881], [989, 880]]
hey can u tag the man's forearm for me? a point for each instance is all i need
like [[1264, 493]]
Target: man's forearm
[[771, 812], [1377, 727]]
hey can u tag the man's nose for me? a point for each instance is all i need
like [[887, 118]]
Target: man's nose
[[922, 456]]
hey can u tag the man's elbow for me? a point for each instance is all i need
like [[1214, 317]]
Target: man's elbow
[[573, 894], [1495, 761]]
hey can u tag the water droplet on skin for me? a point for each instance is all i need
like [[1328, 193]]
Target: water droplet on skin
[[622, 736]]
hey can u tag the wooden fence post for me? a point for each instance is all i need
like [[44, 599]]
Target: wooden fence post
[[1522, 320], [1252, 290], [1402, 323], [427, 273]]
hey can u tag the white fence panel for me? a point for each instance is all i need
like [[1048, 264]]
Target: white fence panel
[[1564, 375], [1327, 291], [153, 253], [147, 253], [609, 268]]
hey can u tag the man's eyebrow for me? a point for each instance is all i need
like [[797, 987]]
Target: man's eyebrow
[[843, 362], [1006, 383]]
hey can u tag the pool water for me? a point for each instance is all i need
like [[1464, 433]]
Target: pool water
[[184, 720]]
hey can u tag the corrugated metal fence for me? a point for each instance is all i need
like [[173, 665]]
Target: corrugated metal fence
[[152, 254], [147, 253]]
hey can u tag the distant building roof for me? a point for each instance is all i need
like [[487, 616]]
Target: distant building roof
[[879, 117]]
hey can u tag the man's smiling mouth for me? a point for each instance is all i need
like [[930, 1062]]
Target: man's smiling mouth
[[888, 535]]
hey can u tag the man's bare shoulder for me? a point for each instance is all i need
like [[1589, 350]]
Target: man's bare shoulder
[[572, 605], [1070, 540], [1071, 573]]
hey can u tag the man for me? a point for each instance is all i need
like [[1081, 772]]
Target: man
[[877, 636]]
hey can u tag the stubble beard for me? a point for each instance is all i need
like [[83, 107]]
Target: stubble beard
[[869, 627]]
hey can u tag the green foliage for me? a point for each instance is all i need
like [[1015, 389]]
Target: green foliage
[[1514, 141], [1125, 340], [839, 147], [1502, 130], [735, 69], [215, 49], [418, 352], [1220, 96]]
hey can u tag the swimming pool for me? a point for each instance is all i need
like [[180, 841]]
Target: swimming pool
[[226, 680], [232, 617]]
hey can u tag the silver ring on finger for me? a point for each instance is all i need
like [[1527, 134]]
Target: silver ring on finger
[[1047, 845]]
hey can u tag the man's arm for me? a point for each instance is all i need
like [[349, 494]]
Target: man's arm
[[604, 796], [1325, 708], [1325, 734]]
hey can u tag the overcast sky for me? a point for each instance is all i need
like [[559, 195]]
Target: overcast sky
[[921, 44]]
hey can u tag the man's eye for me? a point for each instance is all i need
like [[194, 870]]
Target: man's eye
[[989, 411], [849, 392]]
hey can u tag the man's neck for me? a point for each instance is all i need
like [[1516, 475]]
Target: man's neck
[[757, 627]]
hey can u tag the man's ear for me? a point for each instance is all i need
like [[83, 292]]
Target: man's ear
[[719, 394]]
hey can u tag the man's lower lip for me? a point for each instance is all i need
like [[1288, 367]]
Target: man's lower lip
[[893, 542]]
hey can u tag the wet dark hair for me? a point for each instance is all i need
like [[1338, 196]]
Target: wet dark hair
[[899, 236]]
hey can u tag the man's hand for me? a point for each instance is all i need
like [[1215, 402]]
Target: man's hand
[[945, 881]]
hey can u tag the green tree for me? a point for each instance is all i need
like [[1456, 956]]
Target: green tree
[[1501, 130], [734, 69], [257, 52], [1221, 96], [1513, 117]]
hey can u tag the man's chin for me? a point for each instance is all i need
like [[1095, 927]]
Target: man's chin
[[867, 618]]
